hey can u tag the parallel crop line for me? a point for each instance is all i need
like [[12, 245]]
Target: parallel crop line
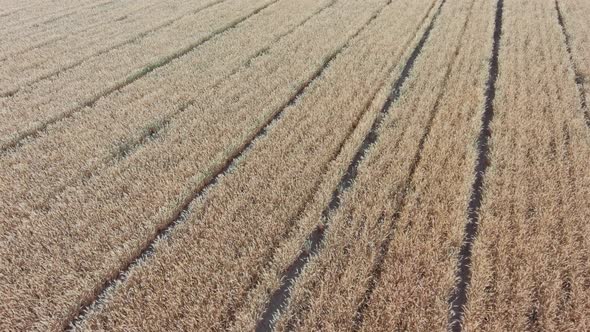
[[128, 41], [324, 169], [35, 132], [153, 132], [56, 39], [41, 44], [183, 210], [458, 297], [281, 295]]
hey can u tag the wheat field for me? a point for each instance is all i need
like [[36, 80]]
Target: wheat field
[[295, 165]]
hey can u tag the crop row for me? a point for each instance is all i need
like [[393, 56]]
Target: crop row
[[99, 226], [119, 124], [102, 42], [25, 38], [389, 255]]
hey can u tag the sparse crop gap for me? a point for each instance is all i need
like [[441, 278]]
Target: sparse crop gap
[[23, 21], [289, 230], [30, 135], [104, 4], [49, 41], [123, 151], [280, 297], [155, 131], [123, 274], [180, 216], [578, 77], [377, 268], [12, 12], [458, 298]]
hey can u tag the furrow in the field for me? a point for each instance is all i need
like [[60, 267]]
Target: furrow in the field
[[116, 128], [529, 267], [281, 296], [458, 298], [54, 60], [237, 224], [342, 284], [98, 228], [95, 22], [579, 76], [25, 120]]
